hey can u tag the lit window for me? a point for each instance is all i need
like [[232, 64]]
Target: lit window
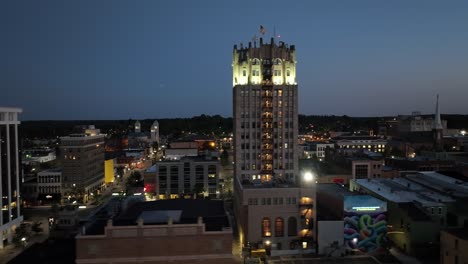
[[285, 145], [266, 227]]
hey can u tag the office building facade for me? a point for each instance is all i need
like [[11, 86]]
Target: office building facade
[[10, 216]]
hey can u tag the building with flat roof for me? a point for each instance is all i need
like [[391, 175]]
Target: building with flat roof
[[274, 212], [170, 179], [82, 156], [363, 220], [166, 231], [420, 204], [49, 185], [10, 216], [348, 145]]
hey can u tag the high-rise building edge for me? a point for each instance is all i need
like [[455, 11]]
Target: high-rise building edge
[[10, 216]]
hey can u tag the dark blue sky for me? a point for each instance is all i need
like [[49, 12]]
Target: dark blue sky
[[155, 59]]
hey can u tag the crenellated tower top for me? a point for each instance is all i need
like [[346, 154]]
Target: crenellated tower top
[[269, 62]]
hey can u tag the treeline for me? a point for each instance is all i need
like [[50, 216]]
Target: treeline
[[203, 124], [211, 125]]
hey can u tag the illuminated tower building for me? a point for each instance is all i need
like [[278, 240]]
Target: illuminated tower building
[[10, 215], [155, 132], [265, 112], [268, 190], [137, 127]]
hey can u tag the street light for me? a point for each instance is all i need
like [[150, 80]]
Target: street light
[[308, 176]]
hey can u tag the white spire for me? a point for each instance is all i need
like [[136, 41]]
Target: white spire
[[437, 120]]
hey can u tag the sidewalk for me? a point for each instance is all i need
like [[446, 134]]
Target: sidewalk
[[404, 259]]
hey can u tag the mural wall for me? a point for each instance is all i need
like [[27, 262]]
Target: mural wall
[[365, 223]]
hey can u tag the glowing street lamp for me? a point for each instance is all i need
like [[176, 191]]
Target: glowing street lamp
[[308, 176]]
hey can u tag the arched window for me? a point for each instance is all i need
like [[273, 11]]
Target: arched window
[[279, 227], [292, 226], [277, 61], [266, 227]]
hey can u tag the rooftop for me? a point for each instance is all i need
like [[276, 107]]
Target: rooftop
[[11, 109], [404, 190], [182, 211]]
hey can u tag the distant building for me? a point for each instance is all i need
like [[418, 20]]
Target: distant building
[[10, 216], [417, 123], [349, 145], [367, 168], [38, 155], [49, 185], [189, 175], [137, 127], [420, 204], [83, 161], [155, 132], [179, 231]]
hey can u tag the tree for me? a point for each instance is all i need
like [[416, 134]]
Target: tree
[[224, 158], [36, 227], [21, 235], [134, 180], [120, 171]]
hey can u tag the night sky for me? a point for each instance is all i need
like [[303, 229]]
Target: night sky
[[155, 59]]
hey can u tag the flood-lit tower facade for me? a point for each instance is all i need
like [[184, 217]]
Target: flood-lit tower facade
[[155, 131], [274, 207], [265, 112]]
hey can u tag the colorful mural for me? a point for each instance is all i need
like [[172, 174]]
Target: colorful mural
[[365, 225]]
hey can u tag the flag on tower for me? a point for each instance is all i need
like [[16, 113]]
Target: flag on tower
[[262, 30]]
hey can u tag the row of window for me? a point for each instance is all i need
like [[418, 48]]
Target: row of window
[[275, 145], [248, 156], [256, 92], [49, 179], [267, 72], [287, 166], [279, 227], [11, 116], [272, 201], [49, 189]]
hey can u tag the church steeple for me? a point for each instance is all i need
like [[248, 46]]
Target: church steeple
[[437, 129], [437, 120]]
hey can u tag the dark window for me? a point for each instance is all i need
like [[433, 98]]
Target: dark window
[[292, 226], [279, 227]]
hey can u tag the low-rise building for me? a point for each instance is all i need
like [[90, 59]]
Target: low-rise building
[[38, 155], [363, 168], [49, 185], [189, 175], [363, 220], [420, 204], [167, 231], [348, 145], [284, 213]]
